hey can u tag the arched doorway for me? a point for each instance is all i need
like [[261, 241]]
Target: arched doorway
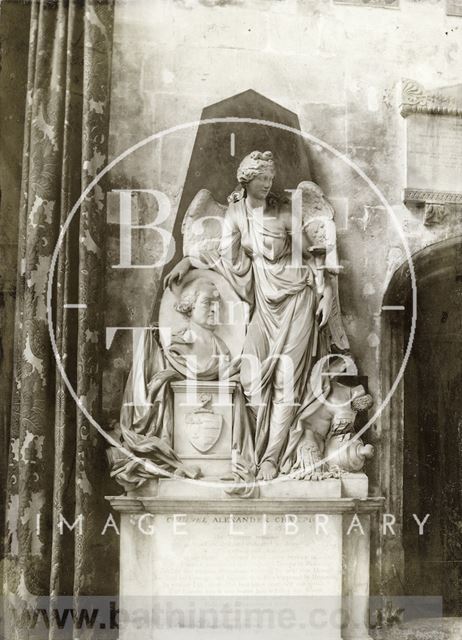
[[428, 413]]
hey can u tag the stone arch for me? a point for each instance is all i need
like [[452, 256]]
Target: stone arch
[[432, 264]]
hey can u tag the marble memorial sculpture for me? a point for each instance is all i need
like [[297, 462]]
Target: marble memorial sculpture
[[253, 305]]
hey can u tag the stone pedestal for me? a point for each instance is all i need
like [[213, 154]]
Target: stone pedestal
[[203, 423], [197, 563]]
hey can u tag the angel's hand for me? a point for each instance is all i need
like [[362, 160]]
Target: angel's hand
[[323, 310], [177, 273]]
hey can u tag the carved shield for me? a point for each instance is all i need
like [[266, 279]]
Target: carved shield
[[204, 428]]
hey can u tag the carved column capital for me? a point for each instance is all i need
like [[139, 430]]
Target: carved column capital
[[434, 213], [416, 99]]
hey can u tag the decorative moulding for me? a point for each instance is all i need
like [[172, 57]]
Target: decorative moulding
[[378, 4], [428, 196], [416, 99], [147, 504]]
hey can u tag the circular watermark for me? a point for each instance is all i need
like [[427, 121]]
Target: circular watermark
[[237, 484]]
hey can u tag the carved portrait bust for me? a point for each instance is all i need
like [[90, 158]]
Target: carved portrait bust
[[195, 346], [199, 301], [202, 338]]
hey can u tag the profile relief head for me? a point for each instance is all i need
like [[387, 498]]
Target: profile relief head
[[255, 173], [318, 224], [199, 302]]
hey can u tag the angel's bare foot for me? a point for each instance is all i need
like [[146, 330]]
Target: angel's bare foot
[[267, 471]]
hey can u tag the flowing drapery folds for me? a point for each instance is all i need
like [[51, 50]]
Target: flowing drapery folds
[[56, 459]]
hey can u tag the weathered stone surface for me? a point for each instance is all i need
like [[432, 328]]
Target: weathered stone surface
[[434, 161], [391, 4], [436, 629], [454, 7]]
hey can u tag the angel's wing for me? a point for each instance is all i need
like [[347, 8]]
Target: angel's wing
[[337, 331], [202, 223]]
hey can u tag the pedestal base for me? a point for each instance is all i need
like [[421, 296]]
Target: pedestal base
[[196, 563], [203, 422]]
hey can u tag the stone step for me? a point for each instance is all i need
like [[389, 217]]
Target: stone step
[[428, 629]]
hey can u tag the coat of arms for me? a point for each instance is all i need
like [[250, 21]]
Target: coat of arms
[[204, 427]]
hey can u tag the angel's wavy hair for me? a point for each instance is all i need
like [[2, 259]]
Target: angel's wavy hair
[[190, 294], [251, 166], [254, 164]]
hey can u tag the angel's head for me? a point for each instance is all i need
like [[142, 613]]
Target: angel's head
[[199, 301], [256, 174]]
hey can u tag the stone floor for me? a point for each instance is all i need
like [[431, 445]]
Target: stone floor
[[430, 629]]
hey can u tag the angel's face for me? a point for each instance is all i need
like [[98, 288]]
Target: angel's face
[[260, 186]]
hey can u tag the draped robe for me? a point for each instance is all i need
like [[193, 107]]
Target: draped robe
[[283, 339]]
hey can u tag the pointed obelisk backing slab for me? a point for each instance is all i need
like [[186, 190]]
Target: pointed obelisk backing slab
[[220, 146]]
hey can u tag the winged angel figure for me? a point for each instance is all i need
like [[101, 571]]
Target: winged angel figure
[[279, 255]]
